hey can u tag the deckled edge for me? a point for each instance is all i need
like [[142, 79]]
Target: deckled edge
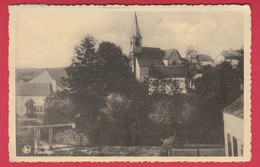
[[247, 90]]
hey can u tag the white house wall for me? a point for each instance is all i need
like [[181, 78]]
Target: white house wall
[[21, 101], [233, 126], [207, 63], [144, 73], [166, 88], [137, 70]]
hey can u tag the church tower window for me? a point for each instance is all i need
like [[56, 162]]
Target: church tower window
[[137, 42]]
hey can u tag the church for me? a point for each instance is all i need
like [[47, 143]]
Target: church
[[164, 71]]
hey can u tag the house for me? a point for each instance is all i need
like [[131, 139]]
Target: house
[[147, 59], [172, 57], [168, 80], [233, 116], [205, 60], [231, 56], [36, 92], [34, 87]]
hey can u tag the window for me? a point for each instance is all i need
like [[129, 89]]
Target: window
[[137, 42], [229, 145], [242, 149], [235, 146]]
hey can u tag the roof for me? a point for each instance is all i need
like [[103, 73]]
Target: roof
[[231, 54], [26, 74], [43, 77], [171, 52], [150, 52], [33, 89], [149, 62], [236, 108], [175, 71], [205, 58]]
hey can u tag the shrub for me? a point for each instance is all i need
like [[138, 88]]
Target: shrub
[[70, 137]]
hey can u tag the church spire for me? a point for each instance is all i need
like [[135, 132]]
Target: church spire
[[136, 39], [136, 32]]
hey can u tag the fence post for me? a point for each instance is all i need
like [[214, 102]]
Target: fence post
[[36, 139], [169, 151], [198, 152], [50, 136]]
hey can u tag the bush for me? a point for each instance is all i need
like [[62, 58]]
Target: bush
[[58, 110], [70, 137]]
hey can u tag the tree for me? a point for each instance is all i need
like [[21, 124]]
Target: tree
[[193, 63], [98, 72], [192, 55], [218, 87], [117, 111], [92, 76], [171, 114], [59, 109], [126, 119]]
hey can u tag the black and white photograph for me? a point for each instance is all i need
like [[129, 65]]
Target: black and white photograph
[[129, 83]]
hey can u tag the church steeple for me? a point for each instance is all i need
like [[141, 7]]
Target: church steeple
[[136, 39], [136, 32]]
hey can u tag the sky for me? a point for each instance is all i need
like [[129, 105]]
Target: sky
[[45, 36]]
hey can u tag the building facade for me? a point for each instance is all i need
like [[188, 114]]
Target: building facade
[[31, 95], [233, 116]]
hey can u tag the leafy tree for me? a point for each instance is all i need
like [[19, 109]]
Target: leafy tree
[[127, 120], [92, 76], [193, 64], [59, 109], [171, 114], [192, 55], [117, 112], [218, 87]]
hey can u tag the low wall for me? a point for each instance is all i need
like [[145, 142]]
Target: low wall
[[199, 152]]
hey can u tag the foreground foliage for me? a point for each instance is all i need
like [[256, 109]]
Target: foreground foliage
[[111, 108]]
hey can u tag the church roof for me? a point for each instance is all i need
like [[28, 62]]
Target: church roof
[[171, 52], [236, 108], [149, 62], [33, 89], [151, 52], [173, 71], [205, 58]]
